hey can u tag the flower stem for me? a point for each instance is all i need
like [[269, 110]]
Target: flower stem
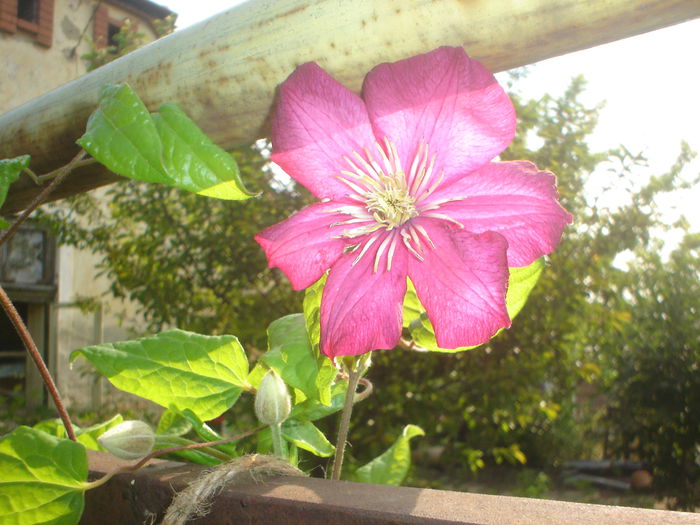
[[277, 449], [353, 378], [38, 360]]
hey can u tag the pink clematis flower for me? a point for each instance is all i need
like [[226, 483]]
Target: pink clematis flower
[[407, 189]]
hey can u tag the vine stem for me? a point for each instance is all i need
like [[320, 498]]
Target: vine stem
[[276, 430], [61, 173], [38, 360], [130, 468], [353, 379]]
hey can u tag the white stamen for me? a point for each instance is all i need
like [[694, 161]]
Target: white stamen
[[424, 233], [443, 217], [387, 200], [369, 243], [380, 251], [390, 255], [407, 242], [368, 168]]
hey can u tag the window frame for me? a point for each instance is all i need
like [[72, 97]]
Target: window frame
[[41, 30]]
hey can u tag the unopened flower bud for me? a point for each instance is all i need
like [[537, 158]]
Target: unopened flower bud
[[272, 402], [129, 440]]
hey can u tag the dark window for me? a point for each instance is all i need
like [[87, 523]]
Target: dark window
[[112, 32], [12, 354], [28, 10]]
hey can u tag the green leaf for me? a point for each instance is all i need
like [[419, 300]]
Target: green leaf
[[122, 135], [304, 434], [178, 370], [172, 423], [520, 283], [192, 455], [193, 161], [392, 466], [42, 478], [165, 147], [10, 170], [206, 433], [256, 375], [291, 355], [87, 436], [312, 409], [312, 311]]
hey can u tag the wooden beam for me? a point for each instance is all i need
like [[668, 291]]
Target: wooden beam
[[133, 497], [224, 71]]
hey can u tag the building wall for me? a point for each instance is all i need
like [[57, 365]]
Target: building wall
[[30, 69]]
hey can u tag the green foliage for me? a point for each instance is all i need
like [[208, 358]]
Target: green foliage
[[305, 435], [161, 244], [291, 355], [10, 170], [42, 478], [656, 390], [126, 40], [87, 436], [176, 369], [172, 423], [392, 466], [164, 147], [533, 484]]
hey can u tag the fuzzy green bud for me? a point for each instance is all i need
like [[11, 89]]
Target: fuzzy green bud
[[129, 440], [272, 401]]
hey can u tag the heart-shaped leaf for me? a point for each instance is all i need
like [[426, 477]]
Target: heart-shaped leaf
[[178, 370], [392, 466], [42, 479]]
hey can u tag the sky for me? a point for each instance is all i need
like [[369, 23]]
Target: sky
[[650, 85]]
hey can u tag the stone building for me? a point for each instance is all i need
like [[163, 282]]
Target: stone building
[[42, 43]]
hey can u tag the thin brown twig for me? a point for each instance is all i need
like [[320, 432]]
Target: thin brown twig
[[39, 199], [130, 468], [38, 360]]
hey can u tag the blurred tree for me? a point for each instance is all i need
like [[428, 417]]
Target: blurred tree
[[188, 260], [655, 393]]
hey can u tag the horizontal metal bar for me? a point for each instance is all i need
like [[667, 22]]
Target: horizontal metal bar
[[145, 494], [224, 71]]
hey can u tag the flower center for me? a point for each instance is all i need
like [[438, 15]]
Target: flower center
[[387, 197], [392, 205]]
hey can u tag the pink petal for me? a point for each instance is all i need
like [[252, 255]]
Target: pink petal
[[446, 99], [514, 199], [462, 284], [316, 123], [362, 310], [303, 246]]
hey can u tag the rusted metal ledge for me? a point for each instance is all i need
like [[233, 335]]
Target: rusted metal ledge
[[144, 495], [224, 71]]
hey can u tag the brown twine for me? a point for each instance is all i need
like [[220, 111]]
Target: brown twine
[[196, 500]]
